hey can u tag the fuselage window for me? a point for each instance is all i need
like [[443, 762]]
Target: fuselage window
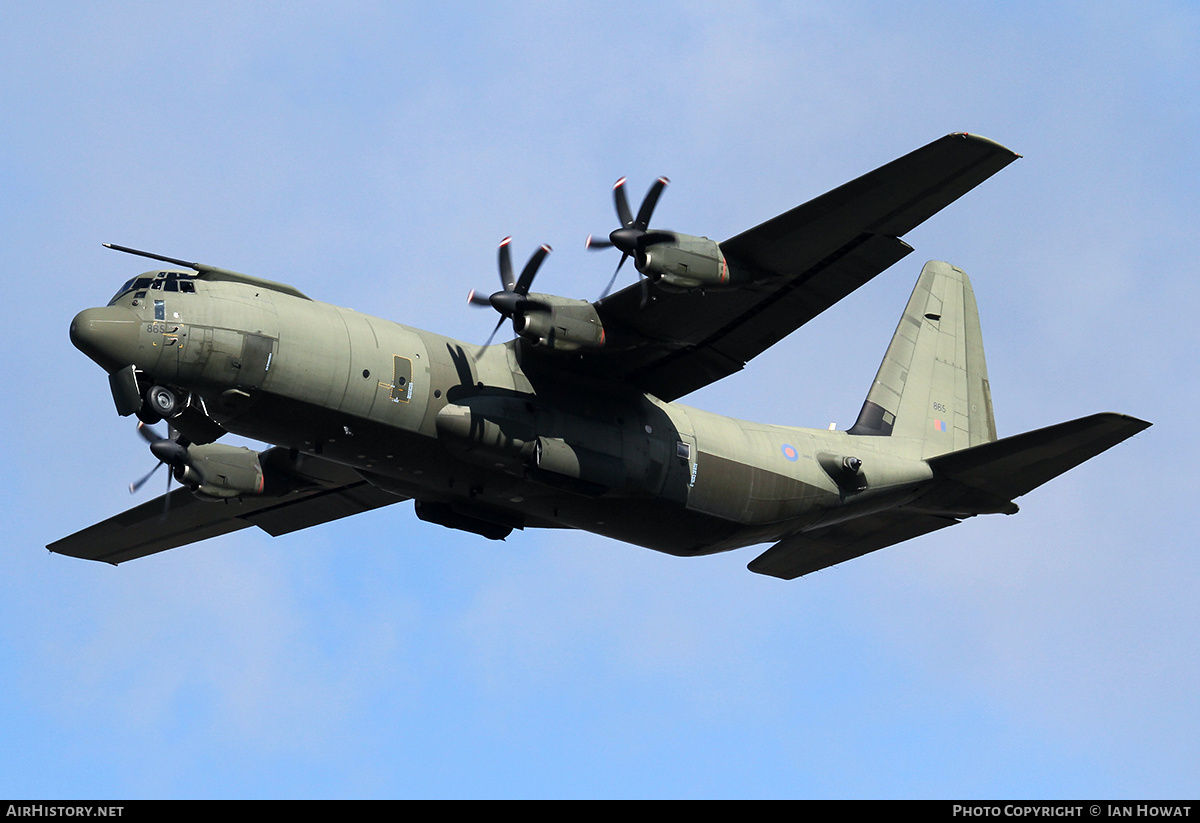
[[142, 283], [165, 281]]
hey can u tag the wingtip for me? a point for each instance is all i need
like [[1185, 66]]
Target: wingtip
[[979, 138], [1137, 423]]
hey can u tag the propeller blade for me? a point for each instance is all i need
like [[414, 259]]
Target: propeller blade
[[148, 434], [613, 278], [133, 487], [647, 209], [527, 273], [506, 269], [623, 212], [596, 244], [477, 300], [166, 499], [488, 342]]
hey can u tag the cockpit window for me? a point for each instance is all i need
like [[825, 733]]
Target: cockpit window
[[176, 281]]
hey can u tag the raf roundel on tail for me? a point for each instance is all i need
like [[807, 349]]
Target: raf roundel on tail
[[572, 423]]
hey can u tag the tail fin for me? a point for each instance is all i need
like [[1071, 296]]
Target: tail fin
[[932, 385]]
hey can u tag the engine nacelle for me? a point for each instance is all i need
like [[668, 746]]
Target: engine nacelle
[[686, 262], [219, 472], [560, 323]]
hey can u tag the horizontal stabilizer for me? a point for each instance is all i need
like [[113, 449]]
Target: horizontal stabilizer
[[987, 477], [818, 549], [980, 480]]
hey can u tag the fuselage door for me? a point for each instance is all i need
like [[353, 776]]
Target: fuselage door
[[257, 351], [402, 387]]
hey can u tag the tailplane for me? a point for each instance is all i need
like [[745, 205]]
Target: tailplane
[[982, 479], [932, 386], [986, 478]]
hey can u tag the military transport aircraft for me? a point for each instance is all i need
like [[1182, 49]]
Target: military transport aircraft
[[573, 424]]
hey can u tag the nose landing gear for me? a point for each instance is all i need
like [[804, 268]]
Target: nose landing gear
[[162, 402]]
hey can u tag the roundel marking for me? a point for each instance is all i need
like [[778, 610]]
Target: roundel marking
[[789, 452]]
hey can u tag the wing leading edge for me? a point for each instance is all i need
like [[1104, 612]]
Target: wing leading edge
[[321, 491], [803, 262]]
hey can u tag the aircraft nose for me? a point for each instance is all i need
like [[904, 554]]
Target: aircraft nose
[[107, 335]]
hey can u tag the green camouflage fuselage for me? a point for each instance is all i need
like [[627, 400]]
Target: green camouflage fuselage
[[444, 422]]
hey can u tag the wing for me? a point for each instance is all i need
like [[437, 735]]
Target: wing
[[316, 491], [803, 261]]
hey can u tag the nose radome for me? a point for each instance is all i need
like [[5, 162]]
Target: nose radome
[[107, 335]]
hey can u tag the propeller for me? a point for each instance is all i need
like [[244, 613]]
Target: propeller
[[170, 452], [512, 299], [633, 235]]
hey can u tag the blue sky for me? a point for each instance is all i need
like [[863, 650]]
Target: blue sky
[[372, 154]]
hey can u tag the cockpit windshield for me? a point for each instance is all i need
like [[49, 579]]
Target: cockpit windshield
[[177, 281]]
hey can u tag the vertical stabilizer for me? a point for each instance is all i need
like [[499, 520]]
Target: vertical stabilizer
[[932, 385]]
